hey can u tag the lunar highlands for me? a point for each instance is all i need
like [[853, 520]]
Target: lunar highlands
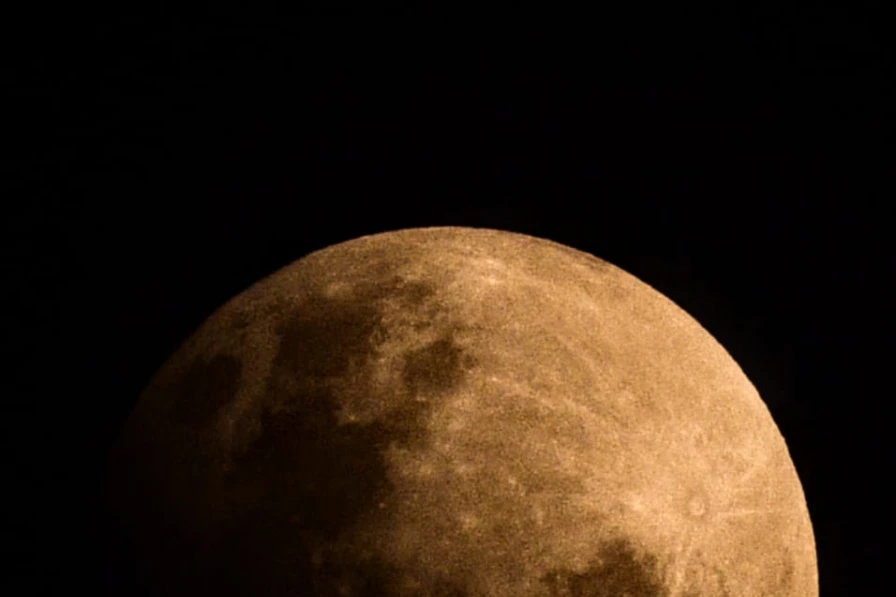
[[458, 412]]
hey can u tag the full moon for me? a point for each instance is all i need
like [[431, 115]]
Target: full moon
[[458, 412]]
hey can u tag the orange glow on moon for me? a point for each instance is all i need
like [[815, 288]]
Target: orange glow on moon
[[459, 412]]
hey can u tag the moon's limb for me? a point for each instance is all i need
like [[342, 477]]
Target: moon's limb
[[467, 413]]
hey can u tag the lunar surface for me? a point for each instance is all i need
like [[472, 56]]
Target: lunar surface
[[456, 412]]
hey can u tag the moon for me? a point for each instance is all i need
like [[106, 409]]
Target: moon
[[458, 412]]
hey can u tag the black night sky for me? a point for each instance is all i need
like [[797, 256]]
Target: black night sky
[[167, 163]]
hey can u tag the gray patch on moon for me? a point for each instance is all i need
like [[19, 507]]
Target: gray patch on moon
[[618, 569], [622, 568], [314, 475], [436, 369]]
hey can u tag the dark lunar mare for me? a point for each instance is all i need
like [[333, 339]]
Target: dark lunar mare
[[619, 569], [310, 479]]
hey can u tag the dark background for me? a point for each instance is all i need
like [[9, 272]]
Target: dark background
[[167, 163]]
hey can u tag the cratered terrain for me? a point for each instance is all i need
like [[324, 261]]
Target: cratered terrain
[[456, 412]]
